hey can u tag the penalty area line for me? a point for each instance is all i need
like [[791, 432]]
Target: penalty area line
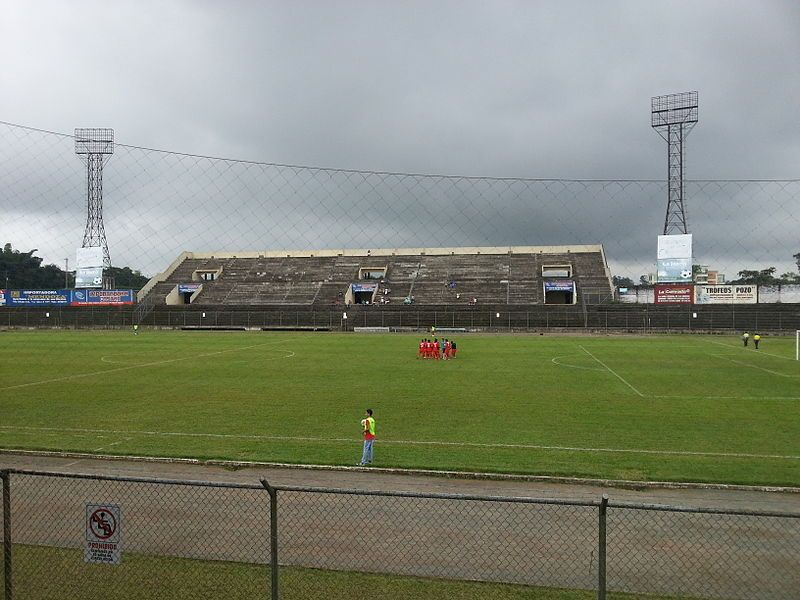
[[138, 366], [405, 442]]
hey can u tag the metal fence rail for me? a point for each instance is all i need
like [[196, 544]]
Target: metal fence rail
[[630, 317], [183, 539]]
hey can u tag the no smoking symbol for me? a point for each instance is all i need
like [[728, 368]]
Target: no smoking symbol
[[102, 524]]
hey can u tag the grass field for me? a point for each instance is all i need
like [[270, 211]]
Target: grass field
[[141, 577], [679, 408]]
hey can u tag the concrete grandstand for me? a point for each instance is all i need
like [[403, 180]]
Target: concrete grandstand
[[509, 275]]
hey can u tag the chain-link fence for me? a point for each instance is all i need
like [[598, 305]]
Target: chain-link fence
[[89, 537]]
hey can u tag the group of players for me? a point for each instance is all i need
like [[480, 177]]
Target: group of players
[[444, 350]]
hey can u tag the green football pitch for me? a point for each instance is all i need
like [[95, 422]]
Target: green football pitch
[[673, 408]]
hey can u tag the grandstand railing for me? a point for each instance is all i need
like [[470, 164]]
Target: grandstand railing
[[204, 539]]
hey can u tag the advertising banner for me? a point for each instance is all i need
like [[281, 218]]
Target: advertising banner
[[675, 246], [674, 270], [559, 286], [674, 260], [89, 257], [2, 297], [37, 297], [102, 297], [726, 294], [89, 277], [190, 288], [674, 294], [364, 287]]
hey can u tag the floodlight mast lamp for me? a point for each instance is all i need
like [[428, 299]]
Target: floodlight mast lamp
[[673, 116], [94, 147]]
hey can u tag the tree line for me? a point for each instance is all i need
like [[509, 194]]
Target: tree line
[[24, 270]]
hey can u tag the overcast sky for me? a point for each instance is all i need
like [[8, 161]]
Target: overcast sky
[[509, 89]]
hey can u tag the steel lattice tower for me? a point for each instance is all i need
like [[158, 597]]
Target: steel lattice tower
[[673, 116], [94, 147]]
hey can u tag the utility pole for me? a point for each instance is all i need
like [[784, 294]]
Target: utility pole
[[66, 273]]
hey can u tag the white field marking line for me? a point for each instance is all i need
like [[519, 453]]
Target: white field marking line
[[744, 364], [410, 442], [111, 362], [754, 352], [117, 443], [731, 397], [612, 371], [555, 361], [128, 367]]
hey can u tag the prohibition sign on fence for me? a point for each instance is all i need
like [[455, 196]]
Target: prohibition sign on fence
[[103, 533]]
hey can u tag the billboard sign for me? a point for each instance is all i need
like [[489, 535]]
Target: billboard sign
[[37, 297], [674, 270], [89, 257], [364, 287], [674, 294], [674, 260], [2, 297], [102, 297], [727, 294], [89, 277], [559, 286], [675, 246]]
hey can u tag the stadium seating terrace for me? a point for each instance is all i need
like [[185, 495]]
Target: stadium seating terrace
[[431, 276]]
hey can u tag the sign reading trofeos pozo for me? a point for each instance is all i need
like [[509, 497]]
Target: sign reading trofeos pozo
[[726, 294], [103, 534]]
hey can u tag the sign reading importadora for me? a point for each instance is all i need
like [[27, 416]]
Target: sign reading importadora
[[103, 534]]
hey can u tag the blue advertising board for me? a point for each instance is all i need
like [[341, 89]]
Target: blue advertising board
[[559, 286], [102, 297], [2, 297], [190, 288], [37, 297], [364, 287]]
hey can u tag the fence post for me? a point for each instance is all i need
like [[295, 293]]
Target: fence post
[[601, 549], [273, 537], [7, 571]]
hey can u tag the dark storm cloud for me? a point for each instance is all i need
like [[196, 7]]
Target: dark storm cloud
[[546, 89]]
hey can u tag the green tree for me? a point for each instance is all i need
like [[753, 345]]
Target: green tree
[[762, 277], [24, 270], [622, 281], [125, 278], [796, 258]]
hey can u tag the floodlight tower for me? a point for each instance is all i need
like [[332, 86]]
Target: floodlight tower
[[94, 147], [673, 116]]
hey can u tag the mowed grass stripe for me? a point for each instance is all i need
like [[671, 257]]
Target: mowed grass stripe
[[351, 441], [502, 406]]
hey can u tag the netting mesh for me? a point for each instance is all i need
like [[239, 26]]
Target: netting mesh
[[157, 204]]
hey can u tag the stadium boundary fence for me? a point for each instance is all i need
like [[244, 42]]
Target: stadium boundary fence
[[782, 318], [200, 539]]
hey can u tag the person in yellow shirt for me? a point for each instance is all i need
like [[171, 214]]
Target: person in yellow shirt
[[756, 339], [368, 430]]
